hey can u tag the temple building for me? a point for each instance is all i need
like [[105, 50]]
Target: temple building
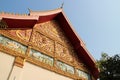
[[42, 45]]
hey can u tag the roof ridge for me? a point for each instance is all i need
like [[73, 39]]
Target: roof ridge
[[9, 13], [45, 12], [30, 10]]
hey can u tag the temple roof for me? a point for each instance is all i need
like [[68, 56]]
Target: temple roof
[[29, 20]]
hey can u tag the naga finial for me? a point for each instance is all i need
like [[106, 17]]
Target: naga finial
[[29, 9], [62, 5]]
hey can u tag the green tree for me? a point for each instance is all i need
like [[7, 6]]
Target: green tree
[[109, 67]]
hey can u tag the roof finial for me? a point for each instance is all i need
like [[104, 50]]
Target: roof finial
[[29, 9], [62, 5]]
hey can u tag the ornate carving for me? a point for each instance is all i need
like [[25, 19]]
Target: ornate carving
[[24, 34], [43, 42], [52, 28], [63, 53], [79, 64]]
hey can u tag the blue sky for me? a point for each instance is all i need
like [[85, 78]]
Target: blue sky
[[97, 22]]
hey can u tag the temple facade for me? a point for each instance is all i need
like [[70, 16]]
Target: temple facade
[[42, 45]]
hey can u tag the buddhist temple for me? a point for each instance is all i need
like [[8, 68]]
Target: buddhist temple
[[42, 45]]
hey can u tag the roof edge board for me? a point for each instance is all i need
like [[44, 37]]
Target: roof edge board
[[89, 54], [44, 13], [81, 41]]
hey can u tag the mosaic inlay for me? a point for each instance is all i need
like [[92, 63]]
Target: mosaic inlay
[[7, 42], [41, 57], [65, 67], [83, 74]]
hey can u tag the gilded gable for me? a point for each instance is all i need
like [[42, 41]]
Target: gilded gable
[[50, 34], [63, 52]]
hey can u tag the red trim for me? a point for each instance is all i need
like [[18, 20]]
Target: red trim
[[19, 23], [67, 29], [46, 18]]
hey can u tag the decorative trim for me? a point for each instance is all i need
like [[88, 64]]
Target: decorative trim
[[54, 69], [38, 63], [41, 50], [19, 61], [63, 60], [11, 52], [28, 51]]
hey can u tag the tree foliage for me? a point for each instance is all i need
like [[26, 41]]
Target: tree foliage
[[109, 67]]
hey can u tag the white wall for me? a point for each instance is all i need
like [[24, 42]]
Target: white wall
[[16, 73], [6, 64], [32, 72]]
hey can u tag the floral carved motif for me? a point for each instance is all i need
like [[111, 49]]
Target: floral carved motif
[[43, 42], [63, 52]]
